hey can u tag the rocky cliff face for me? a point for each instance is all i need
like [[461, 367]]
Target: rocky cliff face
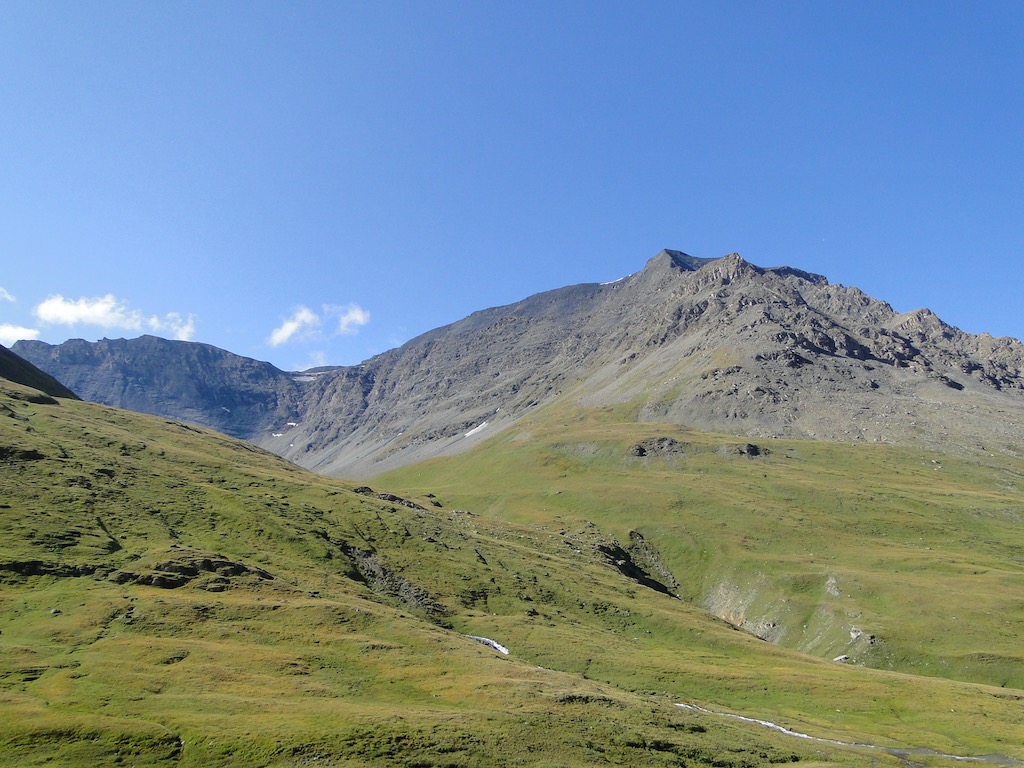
[[781, 352], [715, 344]]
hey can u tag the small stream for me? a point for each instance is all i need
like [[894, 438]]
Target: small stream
[[894, 751]]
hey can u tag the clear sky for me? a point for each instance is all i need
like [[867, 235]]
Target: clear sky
[[315, 182]]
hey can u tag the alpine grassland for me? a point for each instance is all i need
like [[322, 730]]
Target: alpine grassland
[[871, 557], [173, 597]]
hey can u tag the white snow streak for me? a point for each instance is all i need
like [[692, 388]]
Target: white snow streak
[[897, 751], [487, 641], [613, 282]]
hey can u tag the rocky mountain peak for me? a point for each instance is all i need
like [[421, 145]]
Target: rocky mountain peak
[[677, 260], [718, 344]]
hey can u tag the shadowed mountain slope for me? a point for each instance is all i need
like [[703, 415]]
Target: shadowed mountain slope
[[16, 369], [715, 344], [193, 382]]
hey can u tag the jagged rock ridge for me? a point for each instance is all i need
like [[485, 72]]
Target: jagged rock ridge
[[715, 344]]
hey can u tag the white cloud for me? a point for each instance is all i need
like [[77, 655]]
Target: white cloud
[[111, 312], [105, 311], [183, 329], [316, 360], [5, 295], [305, 324], [351, 318], [302, 318], [12, 333]]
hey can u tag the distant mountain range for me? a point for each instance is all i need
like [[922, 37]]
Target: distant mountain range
[[714, 344]]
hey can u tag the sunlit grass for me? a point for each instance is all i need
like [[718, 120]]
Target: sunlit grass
[[289, 655]]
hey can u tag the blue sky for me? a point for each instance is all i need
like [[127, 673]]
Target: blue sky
[[315, 182]]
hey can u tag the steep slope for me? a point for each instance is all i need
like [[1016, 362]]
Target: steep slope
[[183, 380], [715, 344], [14, 368], [171, 596]]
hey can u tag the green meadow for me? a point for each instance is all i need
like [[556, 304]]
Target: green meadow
[[172, 597]]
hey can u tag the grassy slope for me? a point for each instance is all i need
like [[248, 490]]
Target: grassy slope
[[807, 544], [279, 646]]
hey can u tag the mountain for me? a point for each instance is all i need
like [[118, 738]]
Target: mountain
[[171, 596], [715, 344], [14, 368], [193, 382]]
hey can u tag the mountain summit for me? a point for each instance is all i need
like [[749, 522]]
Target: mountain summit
[[715, 344]]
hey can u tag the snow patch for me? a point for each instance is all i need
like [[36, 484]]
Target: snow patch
[[277, 434], [896, 751], [487, 641], [773, 726], [613, 282], [474, 430]]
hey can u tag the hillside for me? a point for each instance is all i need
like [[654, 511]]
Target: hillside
[[712, 344], [880, 556], [170, 596], [16, 369]]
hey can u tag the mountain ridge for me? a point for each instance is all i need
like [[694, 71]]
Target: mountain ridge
[[717, 344], [15, 368], [186, 380]]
